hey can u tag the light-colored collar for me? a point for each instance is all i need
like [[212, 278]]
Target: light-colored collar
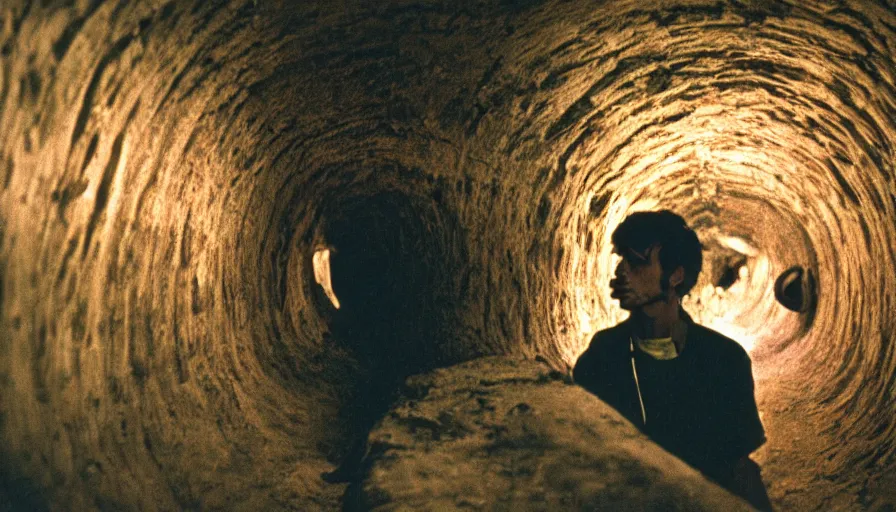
[[665, 348], [658, 348]]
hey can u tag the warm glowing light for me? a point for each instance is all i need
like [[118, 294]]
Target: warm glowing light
[[585, 327], [737, 244], [745, 338], [321, 262], [724, 310]]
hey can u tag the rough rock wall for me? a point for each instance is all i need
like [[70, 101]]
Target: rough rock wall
[[168, 169]]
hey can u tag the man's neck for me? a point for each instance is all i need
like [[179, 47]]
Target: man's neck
[[656, 320]]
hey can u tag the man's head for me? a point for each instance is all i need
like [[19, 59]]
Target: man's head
[[661, 259]]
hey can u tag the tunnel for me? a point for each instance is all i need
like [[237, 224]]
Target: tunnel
[[226, 227]]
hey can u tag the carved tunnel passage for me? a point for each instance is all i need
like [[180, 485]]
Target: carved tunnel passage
[[168, 170]]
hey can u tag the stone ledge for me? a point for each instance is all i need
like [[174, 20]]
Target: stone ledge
[[506, 434]]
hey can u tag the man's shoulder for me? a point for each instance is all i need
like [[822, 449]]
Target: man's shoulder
[[718, 344], [614, 330], [613, 336], [598, 362]]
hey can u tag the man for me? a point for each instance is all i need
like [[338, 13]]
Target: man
[[687, 387]]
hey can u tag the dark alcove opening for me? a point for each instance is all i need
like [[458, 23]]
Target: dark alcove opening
[[389, 265]]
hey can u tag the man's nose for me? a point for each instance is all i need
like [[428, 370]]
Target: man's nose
[[621, 268], [620, 274]]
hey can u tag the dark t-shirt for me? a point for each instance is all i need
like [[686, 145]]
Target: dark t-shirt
[[699, 406]]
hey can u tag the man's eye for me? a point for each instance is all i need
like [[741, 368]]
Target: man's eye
[[635, 262], [634, 259]]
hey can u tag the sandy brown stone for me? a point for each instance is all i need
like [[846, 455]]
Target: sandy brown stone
[[507, 434]]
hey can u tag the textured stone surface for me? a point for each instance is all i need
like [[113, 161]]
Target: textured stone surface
[[505, 434], [167, 170]]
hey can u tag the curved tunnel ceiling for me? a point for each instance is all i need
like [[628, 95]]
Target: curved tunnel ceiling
[[169, 169]]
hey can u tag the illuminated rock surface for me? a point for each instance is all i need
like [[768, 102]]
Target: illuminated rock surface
[[168, 171], [499, 434]]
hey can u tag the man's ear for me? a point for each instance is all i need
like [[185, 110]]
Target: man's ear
[[677, 277]]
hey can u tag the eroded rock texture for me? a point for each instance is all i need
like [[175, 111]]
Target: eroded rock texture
[[168, 169], [502, 434]]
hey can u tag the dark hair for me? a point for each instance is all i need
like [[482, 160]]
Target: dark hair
[[679, 244]]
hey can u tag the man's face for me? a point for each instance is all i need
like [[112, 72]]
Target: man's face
[[638, 275]]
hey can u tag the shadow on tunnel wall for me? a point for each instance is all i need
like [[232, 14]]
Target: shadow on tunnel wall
[[19, 493]]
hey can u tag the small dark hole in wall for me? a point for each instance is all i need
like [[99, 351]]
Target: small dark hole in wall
[[729, 277], [726, 268]]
